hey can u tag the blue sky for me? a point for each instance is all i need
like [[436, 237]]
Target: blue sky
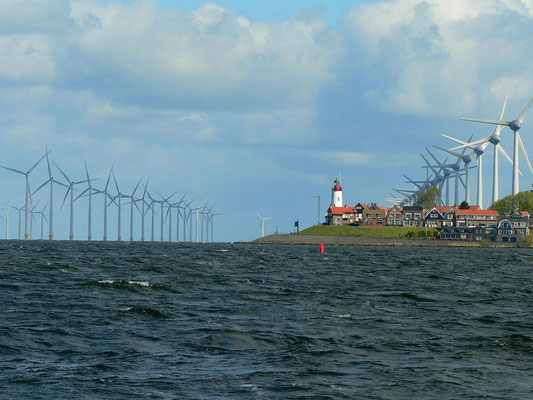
[[256, 106]]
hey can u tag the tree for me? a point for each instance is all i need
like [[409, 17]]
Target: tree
[[464, 205], [522, 201], [428, 198]]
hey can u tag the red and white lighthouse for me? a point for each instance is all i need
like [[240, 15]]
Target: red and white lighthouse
[[336, 194]]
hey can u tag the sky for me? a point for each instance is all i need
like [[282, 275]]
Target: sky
[[257, 106]]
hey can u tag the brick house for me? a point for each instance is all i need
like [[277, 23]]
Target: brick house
[[474, 217], [374, 215], [341, 215]]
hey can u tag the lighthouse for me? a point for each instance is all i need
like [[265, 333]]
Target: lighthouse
[[336, 194]]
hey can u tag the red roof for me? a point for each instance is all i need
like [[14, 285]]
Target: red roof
[[342, 210], [476, 212], [525, 213], [444, 209]]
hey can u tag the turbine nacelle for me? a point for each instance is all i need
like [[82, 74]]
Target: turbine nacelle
[[478, 150], [495, 139], [515, 125]]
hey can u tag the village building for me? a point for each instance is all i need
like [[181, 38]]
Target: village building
[[413, 216], [341, 215], [474, 217], [395, 216], [374, 215]]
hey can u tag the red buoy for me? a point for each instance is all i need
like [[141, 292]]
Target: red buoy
[[322, 248]]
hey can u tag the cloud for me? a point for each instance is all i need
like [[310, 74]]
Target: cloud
[[429, 57], [343, 158]]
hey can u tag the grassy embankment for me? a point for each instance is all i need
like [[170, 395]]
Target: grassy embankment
[[388, 232]]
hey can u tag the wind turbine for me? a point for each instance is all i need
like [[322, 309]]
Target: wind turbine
[[263, 219], [119, 196], [479, 147], [515, 126], [43, 218], [466, 159], [133, 203], [457, 168], [51, 180], [19, 209], [187, 217], [106, 204], [70, 190], [162, 202], [8, 214], [177, 206], [28, 195], [90, 191]]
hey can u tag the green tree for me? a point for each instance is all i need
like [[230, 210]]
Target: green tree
[[464, 205], [522, 201], [428, 198]]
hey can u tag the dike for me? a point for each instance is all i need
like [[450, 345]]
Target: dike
[[292, 239]]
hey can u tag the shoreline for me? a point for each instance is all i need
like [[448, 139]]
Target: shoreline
[[302, 240]]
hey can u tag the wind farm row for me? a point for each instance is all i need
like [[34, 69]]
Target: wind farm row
[[152, 216], [440, 171]]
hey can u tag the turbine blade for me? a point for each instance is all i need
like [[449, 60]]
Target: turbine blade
[[521, 143], [65, 198], [48, 165], [449, 152], [523, 114], [259, 215], [81, 194], [454, 139], [501, 150], [488, 121], [14, 170], [40, 187], [473, 144], [116, 184], [37, 163], [138, 183], [108, 178], [87, 173], [60, 170]]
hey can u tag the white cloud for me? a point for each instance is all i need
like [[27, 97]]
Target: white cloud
[[442, 57]]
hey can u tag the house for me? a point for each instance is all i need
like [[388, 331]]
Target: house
[[341, 215], [360, 207], [413, 216], [448, 213], [454, 233], [395, 216], [374, 215], [434, 218], [474, 217]]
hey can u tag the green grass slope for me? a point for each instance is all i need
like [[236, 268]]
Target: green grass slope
[[388, 232]]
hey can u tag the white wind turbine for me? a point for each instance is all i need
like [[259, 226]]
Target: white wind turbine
[[28, 195], [466, 159], [479, 147], [440, 180], [70, 190], [19, 209], [119, 196], [177, 206], [106, 204], [51, 180], [456, 167], [133, 203], [90, 190], [8, 214], [162, 203], [263, 219], [515, 126]]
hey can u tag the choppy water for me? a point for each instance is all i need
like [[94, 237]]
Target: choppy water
[[98, 320]]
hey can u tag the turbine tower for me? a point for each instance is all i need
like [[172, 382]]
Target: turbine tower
[[263, 219], [28, 195], [51, 180], [515, 126], [70, 190]]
